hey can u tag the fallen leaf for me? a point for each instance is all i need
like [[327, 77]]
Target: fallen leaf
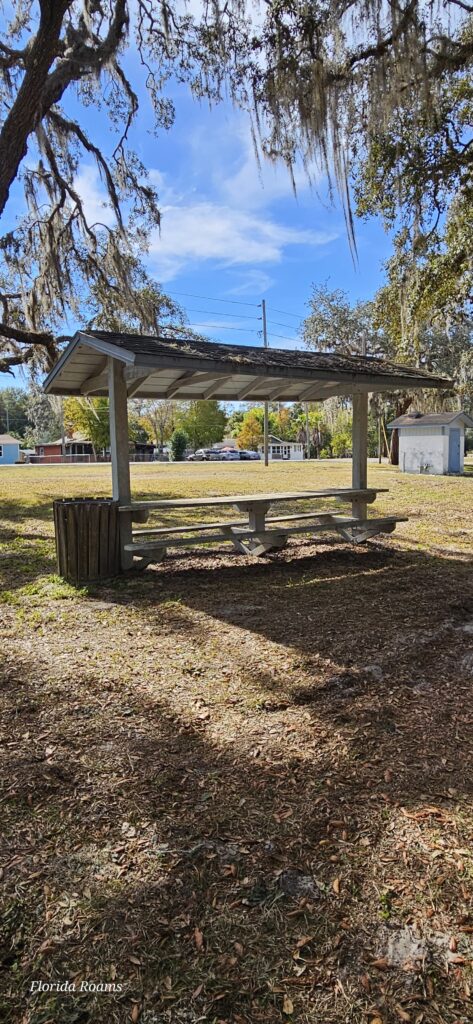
[[198, 939], [402, 1014], [304, 941], [336, 886], [135, 1013], [238, 948], [382, 964], [287, 1006], [135, 960]]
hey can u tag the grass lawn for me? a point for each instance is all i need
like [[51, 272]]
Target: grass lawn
[[239, 790]]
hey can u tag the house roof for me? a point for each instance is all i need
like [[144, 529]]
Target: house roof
[[166, 367], [76, 438], [274, 439], [8, 439], [430, 419]]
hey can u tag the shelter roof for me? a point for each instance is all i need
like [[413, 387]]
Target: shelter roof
[[192, 368]]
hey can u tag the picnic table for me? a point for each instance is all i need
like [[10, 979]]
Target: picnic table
[[257, 533]]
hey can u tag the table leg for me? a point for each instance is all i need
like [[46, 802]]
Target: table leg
[[263, 540]]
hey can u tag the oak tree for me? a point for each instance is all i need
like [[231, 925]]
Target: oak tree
[[319, 78]]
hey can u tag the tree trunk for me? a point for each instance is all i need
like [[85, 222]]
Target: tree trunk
[[42, 87], [394, 449], [27, 110], [401, 408]]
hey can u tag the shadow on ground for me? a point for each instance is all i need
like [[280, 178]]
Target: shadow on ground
[[224, 780]]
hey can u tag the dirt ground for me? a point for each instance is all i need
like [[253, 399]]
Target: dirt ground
[[236, 789]]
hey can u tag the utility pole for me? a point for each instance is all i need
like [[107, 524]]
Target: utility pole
[[307, 432], [7, 411], [63, 432], [266, 404]]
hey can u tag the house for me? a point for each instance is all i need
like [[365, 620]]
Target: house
[[78, 449], [432, 442], [278, 450], [9, 450]]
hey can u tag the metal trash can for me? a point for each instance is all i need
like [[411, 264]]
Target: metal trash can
[[87, 538]]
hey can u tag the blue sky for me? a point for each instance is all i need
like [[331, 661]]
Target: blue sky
[[236, 231], [233, 231]]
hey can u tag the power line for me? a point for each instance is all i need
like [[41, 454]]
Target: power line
[[239, 316], [181, 330], [284, 312], [281, 336], [213, 298], [276, 323], [224, 327]]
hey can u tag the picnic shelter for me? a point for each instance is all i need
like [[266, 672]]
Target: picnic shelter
[[123, 366]]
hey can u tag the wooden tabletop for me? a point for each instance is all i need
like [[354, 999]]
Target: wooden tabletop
[[252, 499]]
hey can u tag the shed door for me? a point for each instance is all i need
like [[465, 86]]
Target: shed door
[[454, 450]]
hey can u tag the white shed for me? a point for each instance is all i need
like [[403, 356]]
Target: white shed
[[432, 442], [287, 450]]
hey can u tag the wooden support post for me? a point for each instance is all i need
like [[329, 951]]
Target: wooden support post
[[360, 451], [266, 404], [120, 453]]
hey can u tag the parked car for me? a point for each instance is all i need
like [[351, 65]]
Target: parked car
[[204, 455], [230, 455], [246, 455]]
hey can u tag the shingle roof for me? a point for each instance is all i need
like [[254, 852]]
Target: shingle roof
[[8, 439], [252, 355], [430, 419], [76, 436], [190, 368]]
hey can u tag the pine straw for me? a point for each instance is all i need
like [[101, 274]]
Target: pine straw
[[241, 789]]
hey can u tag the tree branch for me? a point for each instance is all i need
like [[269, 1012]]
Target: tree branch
[[69, 127], [26, 111], [41, 87], [6, 362], [25, 337]]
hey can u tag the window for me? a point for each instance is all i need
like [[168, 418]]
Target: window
[[41, 451], [1, 451]]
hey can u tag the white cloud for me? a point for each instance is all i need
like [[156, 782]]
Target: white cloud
[[253, 282], [89, 187], [258, 182], [207, 230], [226, 218], [221, 208]]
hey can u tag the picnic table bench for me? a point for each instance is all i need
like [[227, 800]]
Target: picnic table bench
[[257, 533]]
